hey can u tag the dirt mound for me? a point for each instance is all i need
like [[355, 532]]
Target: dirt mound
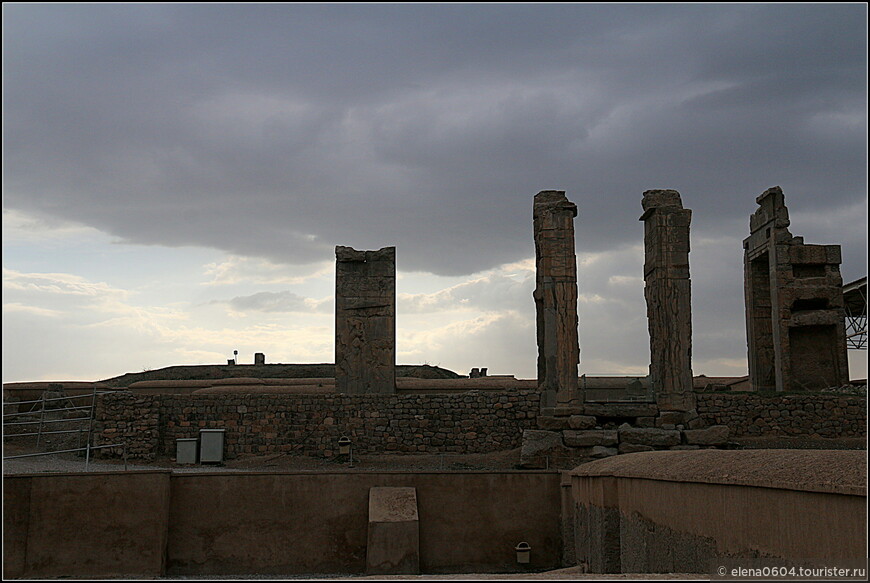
[[263, 371]]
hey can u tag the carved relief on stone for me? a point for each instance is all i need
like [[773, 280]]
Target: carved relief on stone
[[365, 329]]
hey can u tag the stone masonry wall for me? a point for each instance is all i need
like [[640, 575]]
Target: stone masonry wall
[[756, 414], [130, 419], [447, 423], [312, 424]]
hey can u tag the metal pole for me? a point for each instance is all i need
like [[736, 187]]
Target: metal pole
[[41, 417], [90, 429]]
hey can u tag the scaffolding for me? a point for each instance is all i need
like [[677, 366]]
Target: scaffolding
[[40, 407], [855, 302]]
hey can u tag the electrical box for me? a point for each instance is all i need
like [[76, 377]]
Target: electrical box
[[185, 450], [211, 445]]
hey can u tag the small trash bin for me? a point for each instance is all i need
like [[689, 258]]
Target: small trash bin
[[523, 550], [185, 450], [211, 446]]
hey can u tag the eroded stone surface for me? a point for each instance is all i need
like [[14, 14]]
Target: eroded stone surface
[[553, 423], [581, 422], [648, 436], [795, 318], [668, 297], [393, 541], [540, 447], [590, 438], [365, 326], [556, 295]]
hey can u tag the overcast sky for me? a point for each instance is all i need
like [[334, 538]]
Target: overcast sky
[[177, 176]]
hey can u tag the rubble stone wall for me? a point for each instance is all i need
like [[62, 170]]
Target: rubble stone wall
[[447, 423], [757, 414], [312, 424]]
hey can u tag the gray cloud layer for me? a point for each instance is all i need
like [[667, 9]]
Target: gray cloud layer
[[281, 130]]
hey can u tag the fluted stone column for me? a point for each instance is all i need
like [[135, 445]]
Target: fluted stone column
[[556, 298], [668, 295], [365, 320]]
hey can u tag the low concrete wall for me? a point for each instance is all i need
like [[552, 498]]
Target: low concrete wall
[[282, 523], [156, 523], [85, 525], [681, 511]]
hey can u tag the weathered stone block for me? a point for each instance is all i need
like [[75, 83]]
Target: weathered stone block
[[669, 418], [538, 446], [676, 401], [552, 423], [581, 422], [648, 436], [600, 451], [590, 438], [567, 410], [393, 543], [645, 421]]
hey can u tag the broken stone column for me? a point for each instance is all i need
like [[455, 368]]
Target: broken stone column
[[668, 295], [795, 315], [556, 298], [365, 323]]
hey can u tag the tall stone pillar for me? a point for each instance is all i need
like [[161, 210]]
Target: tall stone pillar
[[365, 320], [795, 315], [668, 295], [556, 298]]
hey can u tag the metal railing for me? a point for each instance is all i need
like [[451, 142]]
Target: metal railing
[[42, 422]]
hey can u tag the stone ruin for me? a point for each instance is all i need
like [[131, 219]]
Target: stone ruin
[[365, 320], [795, 316], [556, 299], [668, 295]]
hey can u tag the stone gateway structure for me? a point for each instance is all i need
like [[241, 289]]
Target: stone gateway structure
[[556, 297], [668, 295], [795, 317], [365, 320]]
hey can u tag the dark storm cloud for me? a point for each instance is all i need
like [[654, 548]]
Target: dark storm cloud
[[282, 130]]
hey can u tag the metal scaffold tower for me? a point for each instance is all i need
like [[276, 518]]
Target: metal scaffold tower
[[855, 300]]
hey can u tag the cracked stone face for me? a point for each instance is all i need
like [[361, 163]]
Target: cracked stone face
[[365, 322], [668, 293], [556, 295], [795, 318]]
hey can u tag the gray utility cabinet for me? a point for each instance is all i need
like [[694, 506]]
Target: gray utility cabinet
[[185, 450], [211, 445]]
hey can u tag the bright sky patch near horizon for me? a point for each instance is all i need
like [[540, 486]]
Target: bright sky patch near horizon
[[176, 176]]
